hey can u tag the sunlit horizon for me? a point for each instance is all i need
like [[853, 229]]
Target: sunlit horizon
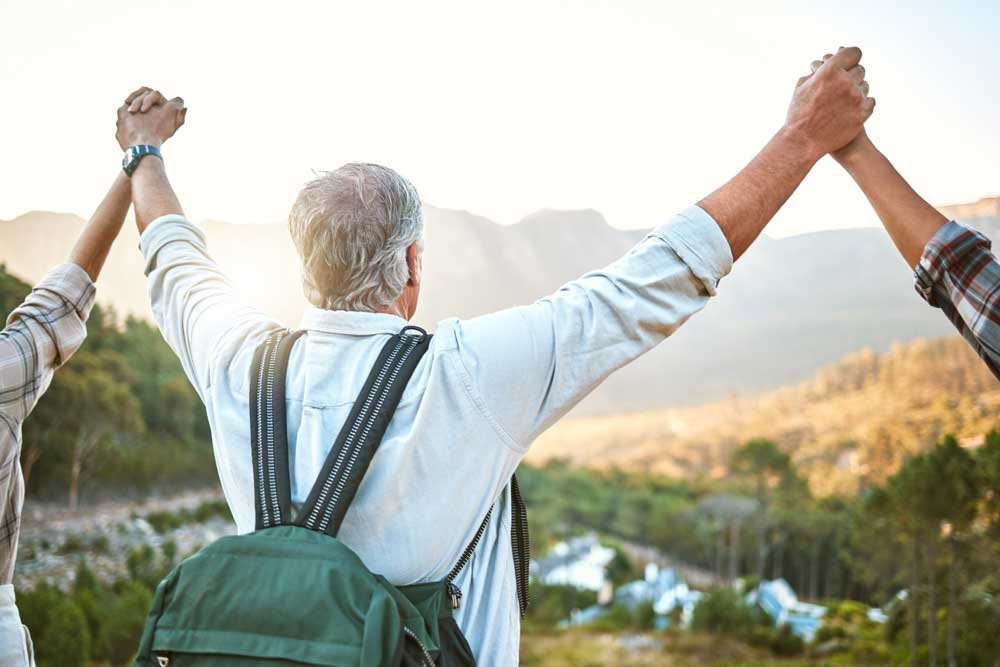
[[633, 109]]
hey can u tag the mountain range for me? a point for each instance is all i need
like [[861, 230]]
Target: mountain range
[[789, 307]]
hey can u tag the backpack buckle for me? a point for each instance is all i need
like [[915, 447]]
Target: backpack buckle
[[162, 661]]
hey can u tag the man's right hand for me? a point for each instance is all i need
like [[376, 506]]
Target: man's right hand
[[147, 117], [830, 106]]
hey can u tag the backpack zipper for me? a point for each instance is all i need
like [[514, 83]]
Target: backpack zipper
[[521, 545], [426, 656], [454, 592], [314, 519]]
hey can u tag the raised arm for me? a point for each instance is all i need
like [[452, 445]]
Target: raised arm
[[527, 366], [909, 219], [94, 243], [193, 302], [50, 324], [953, 266]]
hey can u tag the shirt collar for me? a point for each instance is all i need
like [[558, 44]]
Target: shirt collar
[[351, 322]]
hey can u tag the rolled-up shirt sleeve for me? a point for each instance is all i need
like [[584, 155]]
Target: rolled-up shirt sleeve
[[41, 334], [193, 303], [960, 275], [528, 366]]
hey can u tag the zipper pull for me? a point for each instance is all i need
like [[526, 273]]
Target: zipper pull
[[162, 661], [455, 593]]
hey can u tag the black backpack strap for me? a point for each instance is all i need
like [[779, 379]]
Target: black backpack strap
[[268, 433], [362, 433], [519, 543]]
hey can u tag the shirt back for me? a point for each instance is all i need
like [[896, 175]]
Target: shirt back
[[485, 389]]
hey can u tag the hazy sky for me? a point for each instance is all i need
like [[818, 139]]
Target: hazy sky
[[632, 108]]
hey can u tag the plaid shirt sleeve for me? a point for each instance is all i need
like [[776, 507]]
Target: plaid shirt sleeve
[[41, 334], [958, 274]]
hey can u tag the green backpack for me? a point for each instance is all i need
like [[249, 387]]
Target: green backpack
[[291, 593]]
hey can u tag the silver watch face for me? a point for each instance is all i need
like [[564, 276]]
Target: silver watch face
[[130, 155]]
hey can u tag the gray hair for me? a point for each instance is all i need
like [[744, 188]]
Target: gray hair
[[352, 227]]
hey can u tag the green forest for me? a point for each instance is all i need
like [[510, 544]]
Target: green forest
[[121, 421], [933, 529]]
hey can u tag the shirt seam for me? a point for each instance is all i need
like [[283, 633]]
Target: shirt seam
[[477, 400]]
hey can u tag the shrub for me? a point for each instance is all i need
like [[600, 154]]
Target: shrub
[[65, 640], [724, 612], [552, 604], [785, 643], [94, 605], [99, 544], [146, 566], [119, 639], [164, 522], [828, 631], [749, 583], [72, 545], [84, 579], [212, 509], [620, 569], [644, 616], [848, 611], [617, 617]]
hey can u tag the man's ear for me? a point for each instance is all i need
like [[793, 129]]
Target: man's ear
[[415, 263]]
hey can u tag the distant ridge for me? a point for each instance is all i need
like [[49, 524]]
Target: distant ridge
[[853, 422], [790, 305], [987, 208]]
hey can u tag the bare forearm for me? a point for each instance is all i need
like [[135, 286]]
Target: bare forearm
[[743, 206], [91, 249], [152, 194], [909, 219]]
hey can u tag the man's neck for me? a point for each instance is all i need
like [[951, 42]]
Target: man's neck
[[396, 308]]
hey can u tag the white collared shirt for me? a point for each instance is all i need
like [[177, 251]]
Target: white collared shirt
[[486, 388]]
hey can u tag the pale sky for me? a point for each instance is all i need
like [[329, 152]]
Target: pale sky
[[632, 108]]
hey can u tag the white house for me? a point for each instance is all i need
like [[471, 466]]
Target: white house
[[580, 562], [665, 589], [779, 601]]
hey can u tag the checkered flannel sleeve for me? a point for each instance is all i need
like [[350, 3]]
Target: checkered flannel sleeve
[[958, 274], [41, 334]]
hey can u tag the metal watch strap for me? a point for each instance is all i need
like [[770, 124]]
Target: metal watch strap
[[134, 154]]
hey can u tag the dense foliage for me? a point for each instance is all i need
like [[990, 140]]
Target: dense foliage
[[119, 417], [933, 530], [95, 622]]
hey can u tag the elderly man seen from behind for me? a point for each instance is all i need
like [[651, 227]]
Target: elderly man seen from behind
[[486, 387]]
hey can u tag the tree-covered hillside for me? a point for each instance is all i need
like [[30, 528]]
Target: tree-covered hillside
[[119, 418], [850, 426]]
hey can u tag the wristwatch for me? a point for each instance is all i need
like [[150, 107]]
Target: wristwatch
[[134, 154]]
